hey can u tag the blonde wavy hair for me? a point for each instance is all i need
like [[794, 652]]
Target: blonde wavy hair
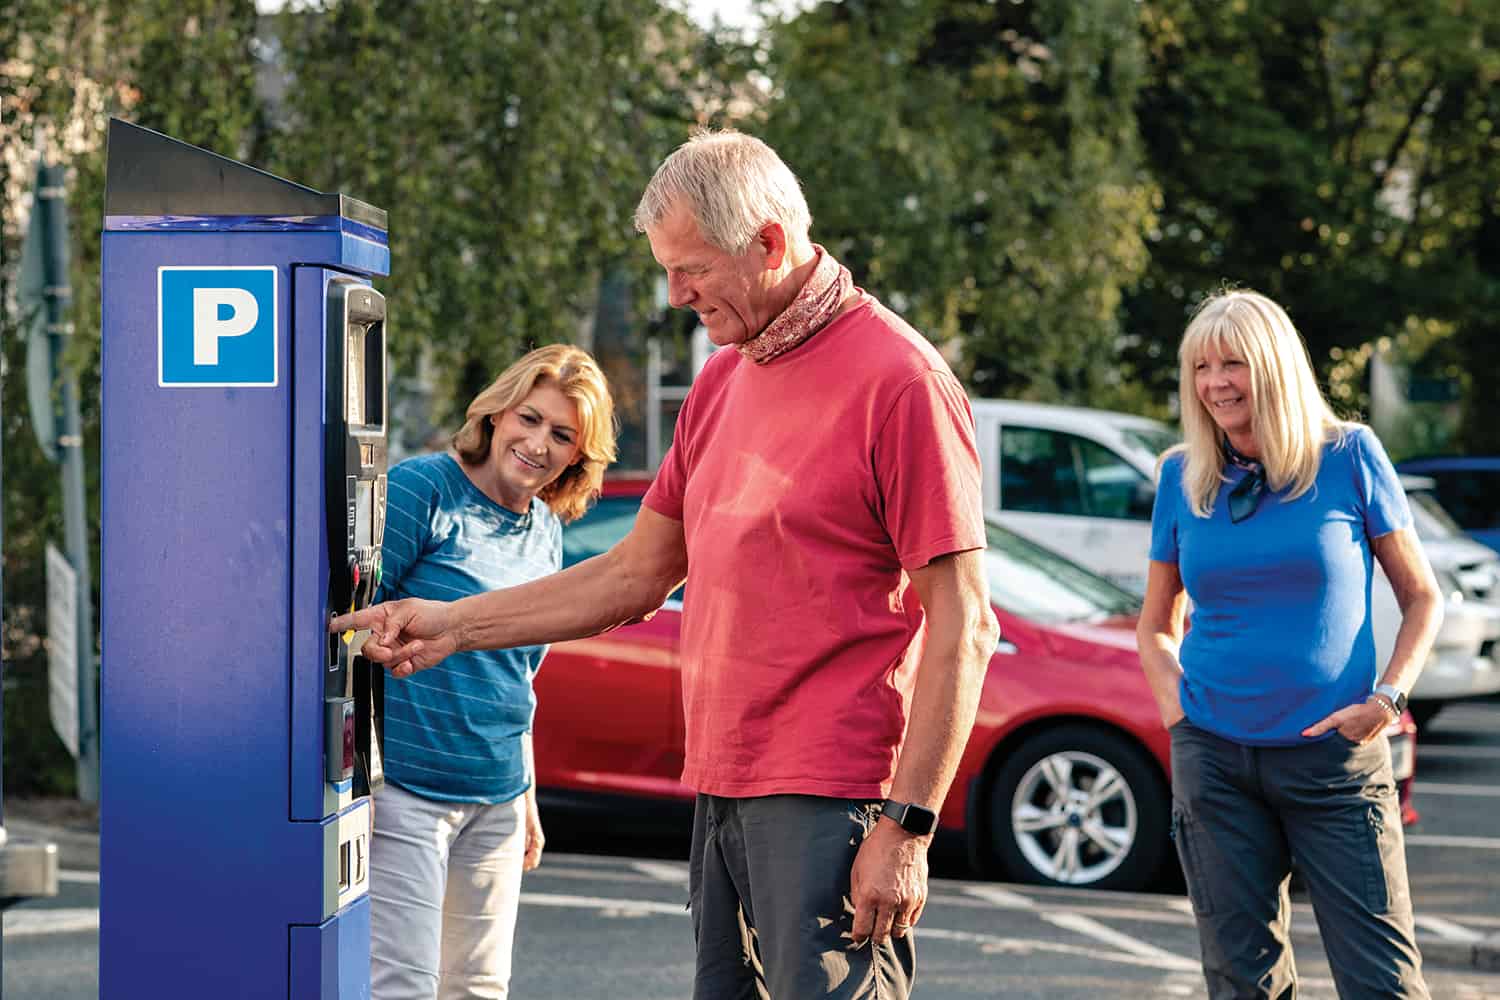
[[576, 374], [1290, 418]]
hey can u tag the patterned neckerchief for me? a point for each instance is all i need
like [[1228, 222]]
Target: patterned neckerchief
[[818, 302], [1245, 497]]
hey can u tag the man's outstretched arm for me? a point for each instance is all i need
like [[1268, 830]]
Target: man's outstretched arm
[[628, 582]]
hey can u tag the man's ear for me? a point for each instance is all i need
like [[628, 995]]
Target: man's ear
[[772, 242]]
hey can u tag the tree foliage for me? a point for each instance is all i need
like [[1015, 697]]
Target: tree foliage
[[977, 165], [1339, 157], [509, 142], [181, 67]]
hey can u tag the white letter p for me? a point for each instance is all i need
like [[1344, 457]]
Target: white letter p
[[208, 328]]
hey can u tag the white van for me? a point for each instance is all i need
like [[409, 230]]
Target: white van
[[1078, 481], [1082, 483]]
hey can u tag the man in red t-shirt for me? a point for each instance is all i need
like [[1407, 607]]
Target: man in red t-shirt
[[822, 500]]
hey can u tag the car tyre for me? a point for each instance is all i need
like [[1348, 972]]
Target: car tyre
[[1082, 807], [1423, 712]]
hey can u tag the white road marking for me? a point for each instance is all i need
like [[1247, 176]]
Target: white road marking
[[72, 875], [1437, 840], [1003, 898], [616, 907], [992, 944], [1089, 927], [1428, 751], [1132, 952], [1432, 788], [661, 870], [1447, 929], [25, 923]]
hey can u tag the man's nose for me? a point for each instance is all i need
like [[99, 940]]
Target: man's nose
[[679, 291]]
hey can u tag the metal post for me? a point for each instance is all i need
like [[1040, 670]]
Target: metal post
[[59, 296], [653, 404]]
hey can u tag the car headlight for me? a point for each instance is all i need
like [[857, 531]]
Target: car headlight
[[1448, 586]]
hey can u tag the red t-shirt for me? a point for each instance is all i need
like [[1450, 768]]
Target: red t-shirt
[[807, 487]]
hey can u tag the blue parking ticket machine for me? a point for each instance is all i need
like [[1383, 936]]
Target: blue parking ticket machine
[[244, 458]]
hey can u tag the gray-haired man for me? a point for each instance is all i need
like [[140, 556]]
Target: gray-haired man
[[821, 497]]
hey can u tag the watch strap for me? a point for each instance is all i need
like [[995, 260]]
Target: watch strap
[[911, 817], [1394, 695]]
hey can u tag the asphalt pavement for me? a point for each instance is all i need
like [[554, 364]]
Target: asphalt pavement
[[609, 920]]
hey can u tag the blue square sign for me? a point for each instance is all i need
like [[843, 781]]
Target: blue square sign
[[216, 326]]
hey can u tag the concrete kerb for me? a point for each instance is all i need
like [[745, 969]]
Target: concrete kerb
[[76, 849]]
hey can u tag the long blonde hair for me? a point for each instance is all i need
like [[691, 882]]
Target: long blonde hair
[[577, 376], [1290, 418]]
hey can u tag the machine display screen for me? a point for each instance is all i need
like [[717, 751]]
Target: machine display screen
[[354, 376], [364, 514]]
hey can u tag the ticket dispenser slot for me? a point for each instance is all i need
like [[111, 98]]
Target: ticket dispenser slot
[[355, 456]]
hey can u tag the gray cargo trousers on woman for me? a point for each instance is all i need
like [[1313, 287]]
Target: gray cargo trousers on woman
[[769, 891], [1242, 816]]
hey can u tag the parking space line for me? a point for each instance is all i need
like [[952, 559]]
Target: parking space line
[[1439, 840], [1089, 927], [73, 875], [552, 870], [1447, 929], [624, 907], [1431, 788], [26, 923], [1130, 951], [1428, 751], [662, 871], [1003, 898]]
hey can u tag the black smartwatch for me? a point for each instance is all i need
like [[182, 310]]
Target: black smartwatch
[[912, 817]]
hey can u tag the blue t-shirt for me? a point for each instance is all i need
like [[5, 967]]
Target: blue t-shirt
[[453, 732], [1280, 634]]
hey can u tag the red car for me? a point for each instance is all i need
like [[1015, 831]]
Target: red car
[[1064, 780]]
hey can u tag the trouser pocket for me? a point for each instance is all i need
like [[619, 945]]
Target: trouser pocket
[[1382, 860], [1188, 835]]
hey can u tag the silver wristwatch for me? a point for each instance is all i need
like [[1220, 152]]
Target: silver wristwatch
[[1394, 695]]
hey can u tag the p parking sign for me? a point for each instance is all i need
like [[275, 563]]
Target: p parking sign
[[216, 326]]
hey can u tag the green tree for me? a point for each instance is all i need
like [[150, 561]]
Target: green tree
[[509, 143], [976, 165], [1340, 158], [182, 67]]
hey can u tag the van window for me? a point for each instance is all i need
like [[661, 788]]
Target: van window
[[1053, 472]]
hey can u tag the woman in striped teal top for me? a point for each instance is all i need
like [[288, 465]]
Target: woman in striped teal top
[[457, 823]]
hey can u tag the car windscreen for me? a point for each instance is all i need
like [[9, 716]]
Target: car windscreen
[[1429, 518], [1038, 584], [1154, 439], [608, 521]]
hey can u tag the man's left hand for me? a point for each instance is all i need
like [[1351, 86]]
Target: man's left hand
[[1357, 723], [888, 884]]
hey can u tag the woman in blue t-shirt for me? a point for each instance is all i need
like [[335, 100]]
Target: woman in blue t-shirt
[[1269, 518], [457, 822]]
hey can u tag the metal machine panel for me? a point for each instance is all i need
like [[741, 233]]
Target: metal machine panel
[[223, 846], [325, 962]]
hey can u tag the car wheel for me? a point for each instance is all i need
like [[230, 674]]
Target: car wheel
[[1079, 806], [1423, 712]]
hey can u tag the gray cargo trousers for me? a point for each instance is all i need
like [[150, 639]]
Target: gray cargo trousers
[[1243, 816], [769, 893]]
